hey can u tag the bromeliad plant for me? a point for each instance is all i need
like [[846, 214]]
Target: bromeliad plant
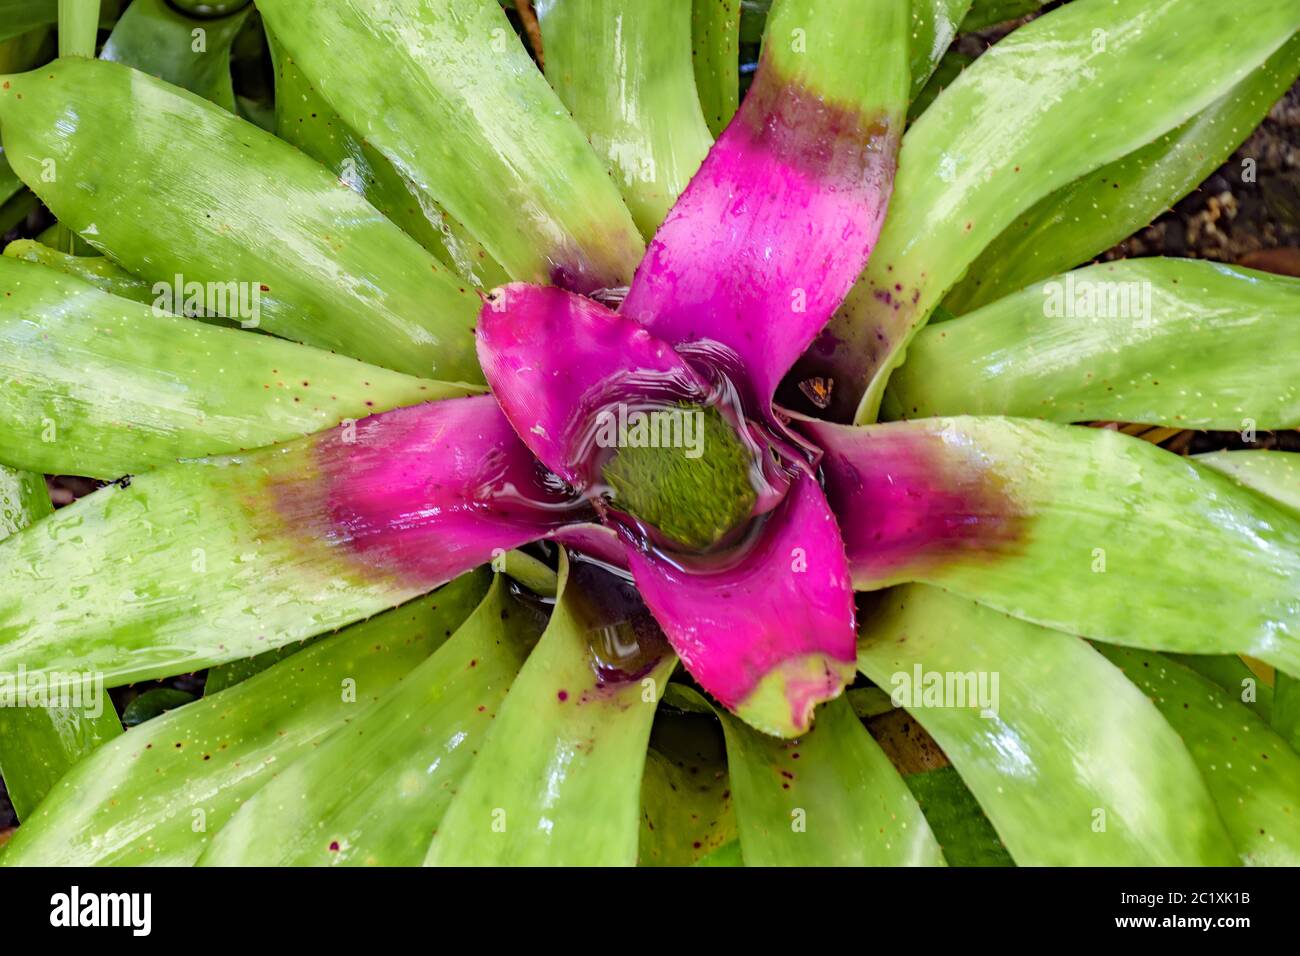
[[470, 350]]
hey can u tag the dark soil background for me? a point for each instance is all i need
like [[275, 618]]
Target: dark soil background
[[1227, 220]]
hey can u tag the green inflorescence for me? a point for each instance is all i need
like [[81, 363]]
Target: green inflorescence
[[685, 472]]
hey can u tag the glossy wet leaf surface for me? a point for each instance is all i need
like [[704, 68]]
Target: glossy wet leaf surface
[[715, 49], [509, 162], [1005, 134], [303, 118], [1086, 530], [1174, 342], [624, 70], [1250, 771], [374, 791], [1231, 674], [422, 158], [687, 808], [287, 247], [1273, 474], [187, 51], [1124, 791], [828, 798], [38, 744], [100, 386], [1098, 210], [934, 27], [233, 556], [159, 793], [954, 815], [100, 271], [558, 780]]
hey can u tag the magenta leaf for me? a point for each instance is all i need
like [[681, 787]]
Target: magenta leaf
[[555, 360], [772, 231], [908, 501], [428, 492], [770, 634]]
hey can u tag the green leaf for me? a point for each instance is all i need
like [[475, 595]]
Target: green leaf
[[157, 39], [154, 703], [216, 559], [159, 793], [945, 74], [81, 249], [1276, 476], [30, 17], [169, 186], [20, 16], [78, 36], [446, 92], [26, 50], [828, 798], [963, 831], [1095, 212], [1251, 773], [836, 70], [181, 568], [20, 52], [1176, 342], [373, 792], [726, 855], [623, 68], [304, 119], [23, 500], [16, 210], [686, 807], [1122, 792], [78, 27], [715, 53], [1230, 672], [97, 385], [558, 781], [1084, 530], [39, 744], [100, 271], [934, 27], [222, 676], [1273, 474], [10, 184], [985, 13], [868, 702], [538, 576], [1286, 710], [1061, 96], [209, 8], [753, 20]]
